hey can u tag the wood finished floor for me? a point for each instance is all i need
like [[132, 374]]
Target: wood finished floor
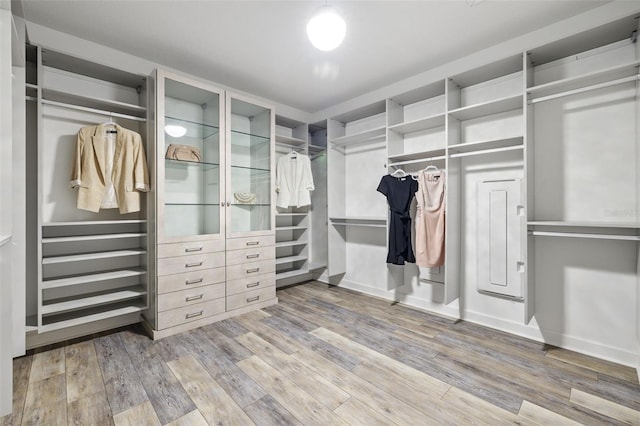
[[322, 356]]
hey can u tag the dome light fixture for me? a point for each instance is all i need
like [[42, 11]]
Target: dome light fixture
[[175, 131], [326, 29]]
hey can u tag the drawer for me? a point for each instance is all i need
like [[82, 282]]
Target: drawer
[[175, 282], [190, 296], [236, 257], [194, 262], [237, 301], [187, 314], [252, 269], [194, 247], [251, 283], [251, 242]]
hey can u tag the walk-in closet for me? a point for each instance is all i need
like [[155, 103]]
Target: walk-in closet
[[243, 227]]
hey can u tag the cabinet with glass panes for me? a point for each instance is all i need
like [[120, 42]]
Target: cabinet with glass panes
[[213, 181], [250, 215]]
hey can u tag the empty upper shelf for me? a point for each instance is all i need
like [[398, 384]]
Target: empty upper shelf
[[360, 137], [420, 124], [497, 106]]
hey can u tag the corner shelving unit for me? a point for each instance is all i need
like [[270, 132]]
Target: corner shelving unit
[[292, 224], [318, 219]]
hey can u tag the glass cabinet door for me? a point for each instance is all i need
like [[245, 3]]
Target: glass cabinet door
[[190, 159], [249, 168]]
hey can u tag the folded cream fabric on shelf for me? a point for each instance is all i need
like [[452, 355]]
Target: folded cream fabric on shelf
[[245, 197]]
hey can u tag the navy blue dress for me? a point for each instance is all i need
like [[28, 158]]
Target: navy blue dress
[[399, 192]]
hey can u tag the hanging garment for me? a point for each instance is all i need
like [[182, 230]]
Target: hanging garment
[[100, 169], [399, 192], [430, 219], [294, 180]]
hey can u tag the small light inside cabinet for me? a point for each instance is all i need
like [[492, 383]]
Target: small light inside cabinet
[[175, 131]]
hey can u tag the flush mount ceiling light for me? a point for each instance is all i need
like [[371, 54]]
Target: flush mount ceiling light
[[175, 131], [326, 29]]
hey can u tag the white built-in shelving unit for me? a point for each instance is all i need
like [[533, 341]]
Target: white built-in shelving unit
[[356, 140], [540, 150], [90, 268], [292, 224]]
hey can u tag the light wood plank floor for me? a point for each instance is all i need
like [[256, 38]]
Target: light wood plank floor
[[322, 356]]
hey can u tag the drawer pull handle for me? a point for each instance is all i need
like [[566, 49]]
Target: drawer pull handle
[[194, 314], [256, 284], [192, 249], [253, 243], [251, 271], [199, 280], [191, 265], [253, 299], [252, 256], [191, 298]]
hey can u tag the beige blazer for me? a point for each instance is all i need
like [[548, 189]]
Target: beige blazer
[[129, 174], [294, 181]]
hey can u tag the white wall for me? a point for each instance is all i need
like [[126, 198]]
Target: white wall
[[6, 370]]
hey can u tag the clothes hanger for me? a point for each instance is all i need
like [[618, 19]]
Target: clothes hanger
[[110, 123], [399, 173]]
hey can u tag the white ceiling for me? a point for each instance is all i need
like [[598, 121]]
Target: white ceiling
[[261, 46]]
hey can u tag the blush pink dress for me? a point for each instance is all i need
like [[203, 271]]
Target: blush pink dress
[[430, 219]]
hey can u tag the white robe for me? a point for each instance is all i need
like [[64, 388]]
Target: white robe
[[293, 181]]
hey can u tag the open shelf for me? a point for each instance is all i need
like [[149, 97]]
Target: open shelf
[[416, 157], [290, 228], [420, 124], [92, 102], [290, 274], [290, 259], [373, 222], [92, 237], [98, 313], [288, 140], [93, 300], [91, 256], [497, 106], [86, 279], [291, 243], [95, 222], [360, 137], [316, 148]]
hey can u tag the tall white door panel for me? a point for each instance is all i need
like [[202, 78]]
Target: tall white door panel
[[500, 233]]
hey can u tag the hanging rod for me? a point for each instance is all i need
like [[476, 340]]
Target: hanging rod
[[486, 151], [87, 109], [585, 89], [585, 235], [420, 160]]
